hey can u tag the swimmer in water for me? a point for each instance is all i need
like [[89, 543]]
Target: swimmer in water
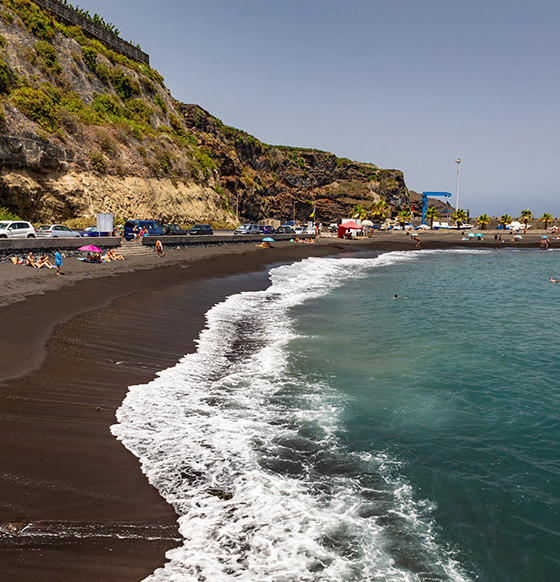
[[553, 280]]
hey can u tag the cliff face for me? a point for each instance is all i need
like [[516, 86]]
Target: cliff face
[[86, 130]]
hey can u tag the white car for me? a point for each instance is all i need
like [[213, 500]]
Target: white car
[[56, 231], [16, 229]]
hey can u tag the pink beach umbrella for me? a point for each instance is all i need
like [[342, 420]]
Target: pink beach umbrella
[[90, 249]]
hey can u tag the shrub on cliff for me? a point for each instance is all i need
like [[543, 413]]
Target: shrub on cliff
[[5, 214], [123, 85], [139, 111], [90, 57], [47, 55], [204, 157], [36, 21], [97, 162], [40, 105], [4, 82]]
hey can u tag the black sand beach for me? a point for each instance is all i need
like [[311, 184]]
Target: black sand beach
[[74, 504]]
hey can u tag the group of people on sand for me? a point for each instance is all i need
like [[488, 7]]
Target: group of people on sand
[[42, 261], [303, 240], [98, 258]]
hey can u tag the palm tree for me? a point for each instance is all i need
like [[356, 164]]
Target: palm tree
[[432, 213], [483, 220], [459, 216], [504, 220], [403, 216], [380, 210], [526, 215], [546, 218], [359, 212]]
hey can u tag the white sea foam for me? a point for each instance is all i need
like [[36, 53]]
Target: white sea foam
[[249, 454]]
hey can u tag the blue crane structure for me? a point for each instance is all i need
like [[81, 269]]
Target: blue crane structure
[[425, 201]]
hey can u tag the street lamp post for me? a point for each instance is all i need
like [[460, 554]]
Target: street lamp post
[[457, 161]]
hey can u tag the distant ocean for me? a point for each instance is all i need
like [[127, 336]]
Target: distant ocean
[[325, 431]]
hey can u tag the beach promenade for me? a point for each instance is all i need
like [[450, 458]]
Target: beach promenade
[[74, 504]]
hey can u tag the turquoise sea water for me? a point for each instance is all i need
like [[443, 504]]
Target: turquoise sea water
[[363, 437]]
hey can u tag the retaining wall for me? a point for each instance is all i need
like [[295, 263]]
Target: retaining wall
[[207, 240], [110, 40], [19, 246]]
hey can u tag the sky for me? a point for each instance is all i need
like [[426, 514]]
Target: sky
[[398, 83]]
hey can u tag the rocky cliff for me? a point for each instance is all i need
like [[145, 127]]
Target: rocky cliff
[[84, 129]]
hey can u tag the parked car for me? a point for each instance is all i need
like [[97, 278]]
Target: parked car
[[247, 229], [291, 223], [169, 229], [154, 229], [92, 231], [200, 229], [285, 229], [16, 229], [56, 231], [266, 229]]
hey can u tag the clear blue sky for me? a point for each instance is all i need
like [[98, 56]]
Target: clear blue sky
[[400, 83]]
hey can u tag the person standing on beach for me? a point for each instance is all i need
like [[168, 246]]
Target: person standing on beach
[[58, 261], [159, 249]]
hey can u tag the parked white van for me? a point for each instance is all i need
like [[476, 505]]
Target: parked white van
[[247, 229]]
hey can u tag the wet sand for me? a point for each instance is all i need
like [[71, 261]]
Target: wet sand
[[74, 504]]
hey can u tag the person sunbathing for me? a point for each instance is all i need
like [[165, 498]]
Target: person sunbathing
[[114, 257], [110, 256], [44, 262], [30, 262]]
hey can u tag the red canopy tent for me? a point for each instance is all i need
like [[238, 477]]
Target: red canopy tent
[[350, 225]]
